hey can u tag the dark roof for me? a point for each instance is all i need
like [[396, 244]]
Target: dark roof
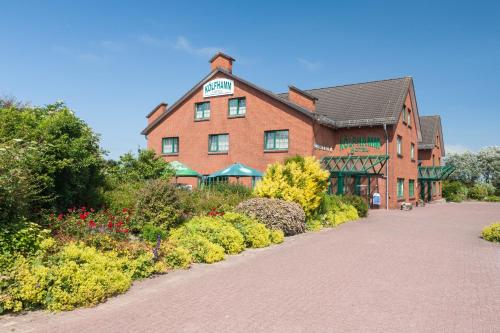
[[234, 77], [222, 55], [430, 127], [362, 104]]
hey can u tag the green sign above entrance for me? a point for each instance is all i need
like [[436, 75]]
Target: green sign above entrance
[[359, 143]]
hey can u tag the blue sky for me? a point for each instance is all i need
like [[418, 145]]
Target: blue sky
[[113, 61]]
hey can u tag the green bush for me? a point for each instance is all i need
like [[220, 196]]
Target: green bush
[[122, 195], [221, 197], [480, 191], [255, 234], [314, 225], [158, 205], [358, 202], [276, 214], [492, 198], [216, 230], [150, 233], [454, 191], [492, 232], [24, 239]]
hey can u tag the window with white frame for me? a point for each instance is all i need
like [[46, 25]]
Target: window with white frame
[[218, 143], [399, 145]]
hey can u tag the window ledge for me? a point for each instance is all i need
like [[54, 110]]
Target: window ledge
[[218, 152], [170, 154], [401, 199], [400, 156], [237, 116], [275, 150], [413, 160], [201, 119]]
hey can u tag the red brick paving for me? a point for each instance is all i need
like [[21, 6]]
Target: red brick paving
[[425, 270]]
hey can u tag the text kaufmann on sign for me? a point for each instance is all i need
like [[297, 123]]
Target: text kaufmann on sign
[[218, 87]]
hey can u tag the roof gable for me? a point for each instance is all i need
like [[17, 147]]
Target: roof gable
[[431, 127], [207, 78]]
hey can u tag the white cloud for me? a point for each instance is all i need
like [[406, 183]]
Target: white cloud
[[110, 45], [181, 44], [456, 149], [82, 56], [309, 65]]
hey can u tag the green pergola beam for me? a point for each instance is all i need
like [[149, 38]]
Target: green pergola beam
[[435, 173], [352, 165]]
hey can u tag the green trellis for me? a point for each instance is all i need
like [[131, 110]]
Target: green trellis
[[432, 174], [357, 166]]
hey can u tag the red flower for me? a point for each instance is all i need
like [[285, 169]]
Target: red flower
[[110, 225], [92, 224], [83, 216], [124, 210], [125, 231], [119, 224], [92, 210], [83, 208], [60, 217]]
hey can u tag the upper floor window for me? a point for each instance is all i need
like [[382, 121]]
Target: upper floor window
[[218, 143], [399, 145], [404, 114], [237, 107], [412, 151], [170, 145], [276, 140], [408, 117], [202, 111]]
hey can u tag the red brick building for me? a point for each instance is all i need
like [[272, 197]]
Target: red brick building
[[366, 134], [430, 152]]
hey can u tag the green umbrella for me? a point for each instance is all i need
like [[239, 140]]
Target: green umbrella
[[237, 170], [182, 170]]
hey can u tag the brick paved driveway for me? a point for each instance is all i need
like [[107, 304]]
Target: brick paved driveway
[[420, 271]]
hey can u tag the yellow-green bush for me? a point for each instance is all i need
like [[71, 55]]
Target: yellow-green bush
[[339, 215], [277, 236], [314, 225], [176, 256], [215, 230], [201, 249], [301, 180], [255, 233], [492, 232]]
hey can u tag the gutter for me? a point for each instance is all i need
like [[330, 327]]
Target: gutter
[[386, 168]]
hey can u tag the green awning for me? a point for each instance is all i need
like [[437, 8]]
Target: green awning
[[182, 170], [354, 165], [237, 170], [435, 172]]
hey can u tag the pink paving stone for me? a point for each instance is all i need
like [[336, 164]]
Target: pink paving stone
[[425, 270]]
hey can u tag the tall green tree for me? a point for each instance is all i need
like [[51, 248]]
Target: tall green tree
[[70, 168]]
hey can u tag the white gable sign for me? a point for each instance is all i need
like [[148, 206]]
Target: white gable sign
[[218, 87]]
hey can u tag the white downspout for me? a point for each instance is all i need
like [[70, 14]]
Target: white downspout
[[386, 169]]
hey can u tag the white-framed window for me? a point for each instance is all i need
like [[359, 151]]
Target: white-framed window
[[399, 145], [276, 140], [237, 107], [170, 145], [412, 151], [218, 143], [202, 111]]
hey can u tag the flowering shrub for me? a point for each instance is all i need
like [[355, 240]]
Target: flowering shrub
[[300, 180], [80, 223], [256, 234], [275, 214], [201, 249]]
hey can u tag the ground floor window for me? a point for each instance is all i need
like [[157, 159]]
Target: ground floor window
[[401, 188], [170, 145], [276, 140], [411, 188], [218, 143]]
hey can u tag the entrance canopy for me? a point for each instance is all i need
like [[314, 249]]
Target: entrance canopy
[[435, 173], [182, 170], [354, 165], [237, 170]]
